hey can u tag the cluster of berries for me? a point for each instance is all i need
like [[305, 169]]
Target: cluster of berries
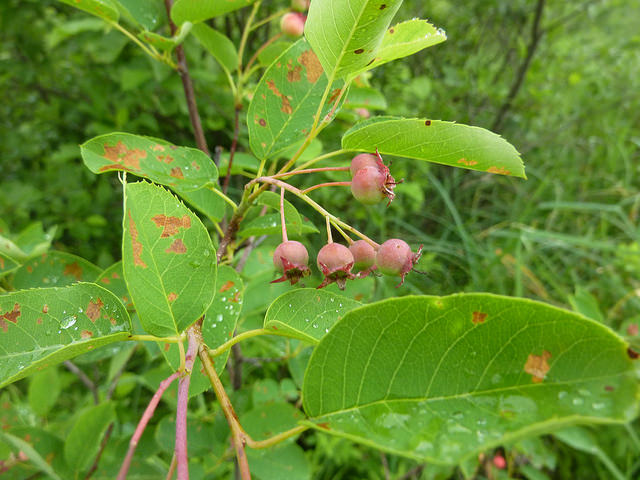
[[371, 183]]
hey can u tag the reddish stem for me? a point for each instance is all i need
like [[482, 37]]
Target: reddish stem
[[328, 184], [181, 412], [282, 220], [310, 170], [146, 416]]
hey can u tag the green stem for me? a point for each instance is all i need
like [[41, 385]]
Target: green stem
[[152, 338], [223, 196], [238, 338], [279, 13], [245, 35], [151, 51], [269, 442], [321, 157]]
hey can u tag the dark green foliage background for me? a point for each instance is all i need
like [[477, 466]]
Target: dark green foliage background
[[569, 235]]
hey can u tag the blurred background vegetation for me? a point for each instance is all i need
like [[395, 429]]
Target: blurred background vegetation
[[559, 80]]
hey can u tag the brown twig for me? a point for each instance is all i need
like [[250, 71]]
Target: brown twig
[[417, 470], [187, 84], [536, 35], [103, 445], [73, 368]]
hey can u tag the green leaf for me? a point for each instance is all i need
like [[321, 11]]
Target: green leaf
[[113, 280], [54, 269], [270, 419], [307, 313], [270, 224], [286, 100], [585, 441], [182, 167], [205, 201], [31, 453], [221, 318], [198, 10], [283, 461], [7, 264], [44, 390], [166, 44], [33, 240], [168, 258], [47, 445], [201, 437], [406, 38], [242, 162], [104, 9], [440, 379], [218, 45], [347, 35], [365, 97], [586, 304], [267, 56], [43, 327], [147, 14], [83, 441], [292, 218], [436, 141]]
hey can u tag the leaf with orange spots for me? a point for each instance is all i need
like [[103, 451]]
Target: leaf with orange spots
[[446, 143], [286, 99], [184, 168], [41, 327], [346, 36], [176, 284], [54, 269], [416, 377]]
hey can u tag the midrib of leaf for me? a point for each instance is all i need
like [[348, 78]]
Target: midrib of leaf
[[157, 271], [472, 394], [349, 37]]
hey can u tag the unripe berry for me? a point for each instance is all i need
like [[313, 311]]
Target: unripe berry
[[394, 257], [362, 160], [291, 258], [367, 185], [335, 261], [363, 112], [292, 24], [364, 255]]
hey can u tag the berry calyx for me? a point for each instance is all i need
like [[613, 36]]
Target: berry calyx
[[394, 257], [300, 5], [335, 262], [291, 258], [292, 24], [364, 256]]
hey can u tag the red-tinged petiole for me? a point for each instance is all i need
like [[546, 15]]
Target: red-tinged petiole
[[328, 184]]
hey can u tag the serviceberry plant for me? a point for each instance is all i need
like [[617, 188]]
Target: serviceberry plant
[[428, 378]]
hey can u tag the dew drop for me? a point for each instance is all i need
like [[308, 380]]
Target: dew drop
[[315, 325], [598, 406], [578, 401], [219, 318]]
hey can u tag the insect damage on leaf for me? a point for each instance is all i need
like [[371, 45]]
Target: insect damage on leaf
[[293, 73], [73, 270], [136, 246], [93, 309], [537, 366], [11, 316], [171, 225], [86, 334], [286, 105], [122, 157], [478, 317], [312, 65], [177, 246]]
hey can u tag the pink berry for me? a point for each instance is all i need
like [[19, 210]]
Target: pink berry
[[291, 258], [335, 261], [499, 462], [292, 24], [364, 255], [394, 257], [367, 185], [363, 112], [362, 160]]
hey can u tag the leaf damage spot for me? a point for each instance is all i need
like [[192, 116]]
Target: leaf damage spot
[[171, 225], [73, 270], [391, 30], [498, 170], [262, 122], [93, 310], [334, 95], [29, 269], [478, 317], [86, 334], [176, 172], [157, 148], [45, 308], [609, 388], [172, 296], [324, 425], [312, 65], [359, 51], [177, 246], [105, 280], [226, 286], [165, 158], [383, 6], [286, 105], [293, 74], [136, 246], [11, 316], [537, 366], [235, 298], [633, 355], [427, 123], [195, 165], [167, 346], [121, 156]]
